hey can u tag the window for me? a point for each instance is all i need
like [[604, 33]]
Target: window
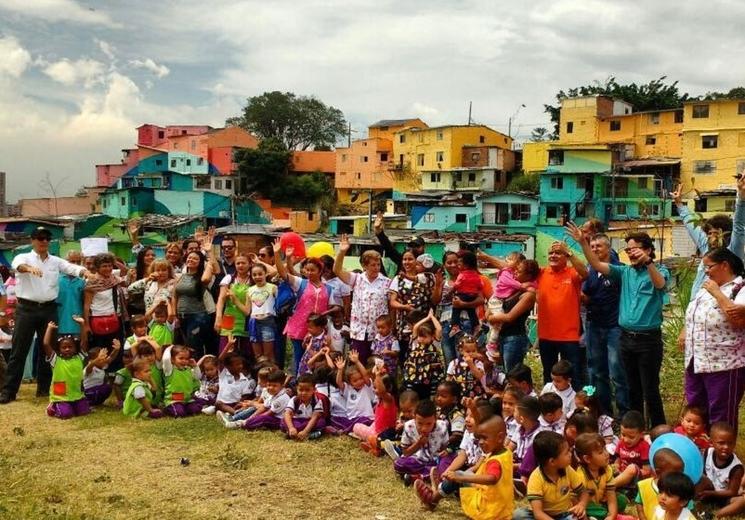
[[704, 166], [570, 127], [343, 157], [158, 162], [402, 138], [183, 132], [200, 161], [461, 218], [124, 201], [552, 212], [581, 182], [729, 205], [439, 135], [557, 183], [434, 177], [218, 184], [439, 156], [364, 158], [188, 162], [709, 141], [364, 143], [741, 108], [621, 187], [161, 134], [580, 210], [104, 204], [420, 159], [173, 163], [620, 209], [359, 176], [651, 140], [482, 139], [475, 156], [383, 157], [700, 111], [472, 177], [429, 218], [654, 118], [555, 157], [520, 212], [383, 128], [615, 126], [175, 145], [421, 137], [654, 210], [642, 183], [202, 182], [679, 116], [458, 176]]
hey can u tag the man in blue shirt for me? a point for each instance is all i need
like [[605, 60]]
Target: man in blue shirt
[[602, 295], [640, 318]]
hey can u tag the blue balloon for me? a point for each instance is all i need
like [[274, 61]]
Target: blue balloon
[[693, 462]]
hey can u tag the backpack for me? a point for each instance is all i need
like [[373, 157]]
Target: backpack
[[286, 300], [317, 396]]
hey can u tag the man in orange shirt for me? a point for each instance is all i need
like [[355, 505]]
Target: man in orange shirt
[[559, 291]]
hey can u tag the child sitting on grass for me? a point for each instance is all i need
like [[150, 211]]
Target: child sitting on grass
[[597, 475], [271, 411], [304, 414], [180, 382], [561, 384], [423, 438], [357, 393], [407, 403], [510, 398], [552, 417], [693, 423], [722, 469], [528, 412], [522, 378], [149, 350], [209, 384], [66, 398], [139, 399], [449, 410], [554, 488], [676, 490], [665, 461], [587, 398], [386, 411], [123, 377], [234, 385], [632, 451], [95, 387]]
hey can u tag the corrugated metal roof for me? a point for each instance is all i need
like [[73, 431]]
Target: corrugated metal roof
[[392, 122]]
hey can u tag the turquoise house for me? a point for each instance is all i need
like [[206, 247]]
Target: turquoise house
[[508, 212]]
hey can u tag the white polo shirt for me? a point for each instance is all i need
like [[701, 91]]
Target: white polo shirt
[[232, 388], [46, 288]]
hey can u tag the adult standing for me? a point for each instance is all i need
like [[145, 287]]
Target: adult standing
[[602, 297], [717, 231], [369, 296], [175, 256], [415, 246], [70, 299], [136, 301], [228, 256], [103, 305], [643, 287], [559, 291], [445, 307], [157, 287], [189, 303], [37, 288], [235, 304], [715, 341]]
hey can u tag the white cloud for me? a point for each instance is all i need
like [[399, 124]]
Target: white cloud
[[86, 71], [424, 111], [13, 57], [106, 48], [160, 71], [59, 10]]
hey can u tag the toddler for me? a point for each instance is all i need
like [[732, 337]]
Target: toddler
[[423, 368], [209, 384], [632, 451], [271, 411], [722, 468], [386, 411], [66, 398], [676, 490], [447, 399], [385, 345], [357, 392], [138, 323], [423, 438], [139, 398], [234, 386], [161, 325], [561, 384], [587, 398], [510, 398], [304, 414], [314, 341], [505, 287], [146, 349], [95, 387], [123, 377], [521, 377], [180, 382], [247, 407], [552, 416], [554, 488], [466, 370], [597, 475], [693, 423], [407, 403], [665, 461], [466, 288], [338, 331]]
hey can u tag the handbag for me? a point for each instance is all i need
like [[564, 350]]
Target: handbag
[[103, 325]]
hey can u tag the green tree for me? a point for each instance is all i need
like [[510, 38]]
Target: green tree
[[527, 182], [735, 93], [264, 169], [539, 134], [300, 122], [655, 95]]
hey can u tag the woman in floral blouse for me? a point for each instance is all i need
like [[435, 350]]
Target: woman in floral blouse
[[715, 340]]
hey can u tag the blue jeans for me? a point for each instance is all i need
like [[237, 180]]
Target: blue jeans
[[514, 349], [603, 356], [551, 350], [243, 414], [197, 330], [297, 353], [447, 344]]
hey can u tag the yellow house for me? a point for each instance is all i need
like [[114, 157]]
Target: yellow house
[[427, 149], [535, 156], [646, 134]]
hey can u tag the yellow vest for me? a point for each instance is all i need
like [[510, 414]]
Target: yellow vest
[[648, 495], [482, 502]]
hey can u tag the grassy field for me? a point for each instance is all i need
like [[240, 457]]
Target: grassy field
[[109, 467]]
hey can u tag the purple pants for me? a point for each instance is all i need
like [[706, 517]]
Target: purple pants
[[204, 402], [265, 420], [362, 348], [718, 392], [97, 394], [182, 409], [345, 425], [413, 466], [68, 409], [300, 424], [444, 463]]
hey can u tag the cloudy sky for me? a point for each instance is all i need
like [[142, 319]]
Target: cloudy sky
[[76, 77]]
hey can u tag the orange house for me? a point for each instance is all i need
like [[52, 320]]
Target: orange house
[[313, 161]]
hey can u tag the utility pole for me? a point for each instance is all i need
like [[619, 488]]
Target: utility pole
[[470, 105], [370, 211], [349, 135]]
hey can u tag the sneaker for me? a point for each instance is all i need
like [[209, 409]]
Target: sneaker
[[424, 492], [390, 449], [434, 480], [209, 410], [225, 418], [234, 425], [354, 436], [315, 434]]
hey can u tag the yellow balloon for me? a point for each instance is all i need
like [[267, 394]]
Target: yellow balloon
[[320, 249]]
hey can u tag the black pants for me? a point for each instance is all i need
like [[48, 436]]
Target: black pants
[[641, 355], [30, 319]]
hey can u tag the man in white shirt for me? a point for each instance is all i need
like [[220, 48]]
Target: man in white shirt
[[37, 287]]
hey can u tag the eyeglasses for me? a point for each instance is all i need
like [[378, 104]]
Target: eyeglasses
[[708, 267], [228, 247], [43, 239]]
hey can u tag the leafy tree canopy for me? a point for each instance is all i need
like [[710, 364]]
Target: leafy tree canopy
[[299, 122], [735, 93]]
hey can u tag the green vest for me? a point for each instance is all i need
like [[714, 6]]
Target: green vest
[[132, 407], [239, 326], [162, 335], [67, 379], [127, 377], [156, 374], [179, 386]]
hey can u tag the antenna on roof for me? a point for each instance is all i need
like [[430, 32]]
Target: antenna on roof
[[470, 104]]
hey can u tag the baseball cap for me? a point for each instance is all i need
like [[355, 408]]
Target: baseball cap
[[41, 232]]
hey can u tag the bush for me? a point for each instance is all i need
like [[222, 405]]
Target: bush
[[525, 183]]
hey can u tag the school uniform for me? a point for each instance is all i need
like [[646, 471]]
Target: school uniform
[[425, 458], [556, 496], [302, 414], [567, 397], [132, 406], [358, 405], [494, 501], [95, 387], [123, 379], [276, 405], [66, 398], [232, 389], [556, 426], [180, 385]]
